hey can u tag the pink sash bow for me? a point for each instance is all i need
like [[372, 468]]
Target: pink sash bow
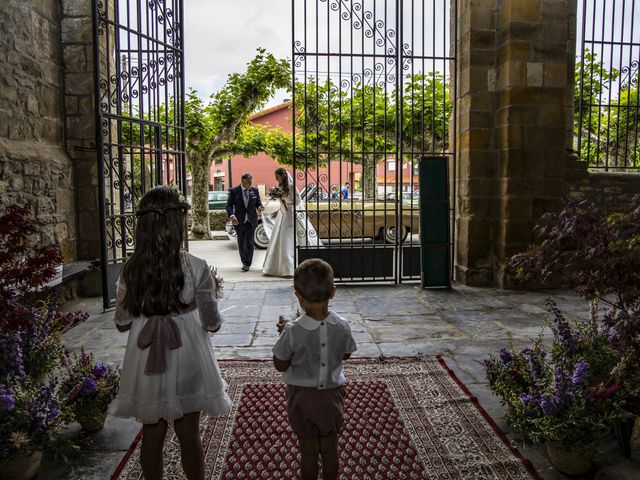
[[161, 333]]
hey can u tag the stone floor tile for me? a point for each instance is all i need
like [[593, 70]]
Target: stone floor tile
[[96, 465], [261, 352], [232, 340], [238, 309], [236, 328], [403, 349], [401, 333], [391, 318], [362, 337], [265, 340], [367, 349]]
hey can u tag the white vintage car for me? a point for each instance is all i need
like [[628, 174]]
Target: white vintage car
[[340, 219]]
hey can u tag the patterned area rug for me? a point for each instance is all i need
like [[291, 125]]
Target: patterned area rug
[[405, 418]]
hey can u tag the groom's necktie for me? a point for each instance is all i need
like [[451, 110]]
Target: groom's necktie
[[245, 194]]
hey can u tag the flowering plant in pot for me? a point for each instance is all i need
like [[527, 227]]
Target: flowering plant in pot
[[29, 417], [87, 389], [31, 324], [31, 327], [564, 398], [598, 255]]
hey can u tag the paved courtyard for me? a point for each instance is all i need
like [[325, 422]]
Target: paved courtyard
[[462, 324]]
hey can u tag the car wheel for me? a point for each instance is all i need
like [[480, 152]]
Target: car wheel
[[389, 234], [260, 238]]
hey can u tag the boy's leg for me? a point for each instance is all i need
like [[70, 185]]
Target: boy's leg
[[309, 449], [329, 454], [151, 451], [188, 431]]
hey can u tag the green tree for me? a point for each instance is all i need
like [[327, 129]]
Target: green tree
[[625, 125], [221, 127], [360, 124], [591, 120], [606, 106]]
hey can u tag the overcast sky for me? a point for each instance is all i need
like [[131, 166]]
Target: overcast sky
[[221, 37]]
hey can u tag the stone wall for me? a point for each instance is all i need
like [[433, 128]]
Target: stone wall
[[80, 133], [34, 168], [608, 190], [512, 123]]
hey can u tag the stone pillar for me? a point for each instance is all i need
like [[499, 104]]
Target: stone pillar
[[512, 121], [34, 168], [477, 159], [80, 132]]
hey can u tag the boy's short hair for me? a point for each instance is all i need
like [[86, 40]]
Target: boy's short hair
[[313, 280]]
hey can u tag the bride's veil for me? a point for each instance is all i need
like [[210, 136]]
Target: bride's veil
[[296, 194], [306, 234]]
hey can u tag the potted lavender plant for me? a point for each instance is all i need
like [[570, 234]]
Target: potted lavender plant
[[29, 417], [566, 398], [30, 342], [87, 389], [598, 255]]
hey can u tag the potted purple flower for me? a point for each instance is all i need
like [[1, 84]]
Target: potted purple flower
[[31, 327], [566, 398], [29, 417], [598, 255], [87, 390]]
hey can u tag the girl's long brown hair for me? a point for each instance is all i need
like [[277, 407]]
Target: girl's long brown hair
[[153, 275]]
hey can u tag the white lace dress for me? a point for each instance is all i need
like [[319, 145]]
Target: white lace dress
[[191, 381], [279, 261]]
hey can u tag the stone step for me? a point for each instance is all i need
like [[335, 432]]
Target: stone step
[[219, 235]]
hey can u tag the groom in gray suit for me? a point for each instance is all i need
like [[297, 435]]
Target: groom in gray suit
[[243, 207]]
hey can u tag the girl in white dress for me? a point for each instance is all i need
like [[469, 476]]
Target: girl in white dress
[[279, 260], [166, 299]]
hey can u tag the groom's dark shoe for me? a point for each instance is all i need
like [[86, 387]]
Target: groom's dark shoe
[[245, 268]]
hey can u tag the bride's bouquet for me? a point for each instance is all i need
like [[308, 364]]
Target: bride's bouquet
[[276, 193]]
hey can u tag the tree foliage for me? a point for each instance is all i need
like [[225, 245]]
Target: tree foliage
[[221, 127], [360, 124], [606, 113]]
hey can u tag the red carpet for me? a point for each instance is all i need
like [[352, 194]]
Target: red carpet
[[405, 418]]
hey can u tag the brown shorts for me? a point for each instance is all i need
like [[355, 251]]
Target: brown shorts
[[315, 413]]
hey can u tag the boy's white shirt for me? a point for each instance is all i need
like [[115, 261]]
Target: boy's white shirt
[[315, 350]]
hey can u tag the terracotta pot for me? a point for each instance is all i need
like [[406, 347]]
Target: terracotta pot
[[571, 462], [634, 441], [92, 423], [23, 467], [623, 430]]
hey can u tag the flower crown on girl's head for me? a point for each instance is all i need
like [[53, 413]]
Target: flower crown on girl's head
[[183, 205]]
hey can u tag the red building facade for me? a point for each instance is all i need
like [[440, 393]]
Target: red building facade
[[261, 166]]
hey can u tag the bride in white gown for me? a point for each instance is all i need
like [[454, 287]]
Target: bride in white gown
[[280, 257]]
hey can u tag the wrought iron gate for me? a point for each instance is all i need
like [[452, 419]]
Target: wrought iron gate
[[139, 85], [371, 99], [607, 117]]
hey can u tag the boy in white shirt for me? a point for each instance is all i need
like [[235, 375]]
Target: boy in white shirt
[[310, 352]]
